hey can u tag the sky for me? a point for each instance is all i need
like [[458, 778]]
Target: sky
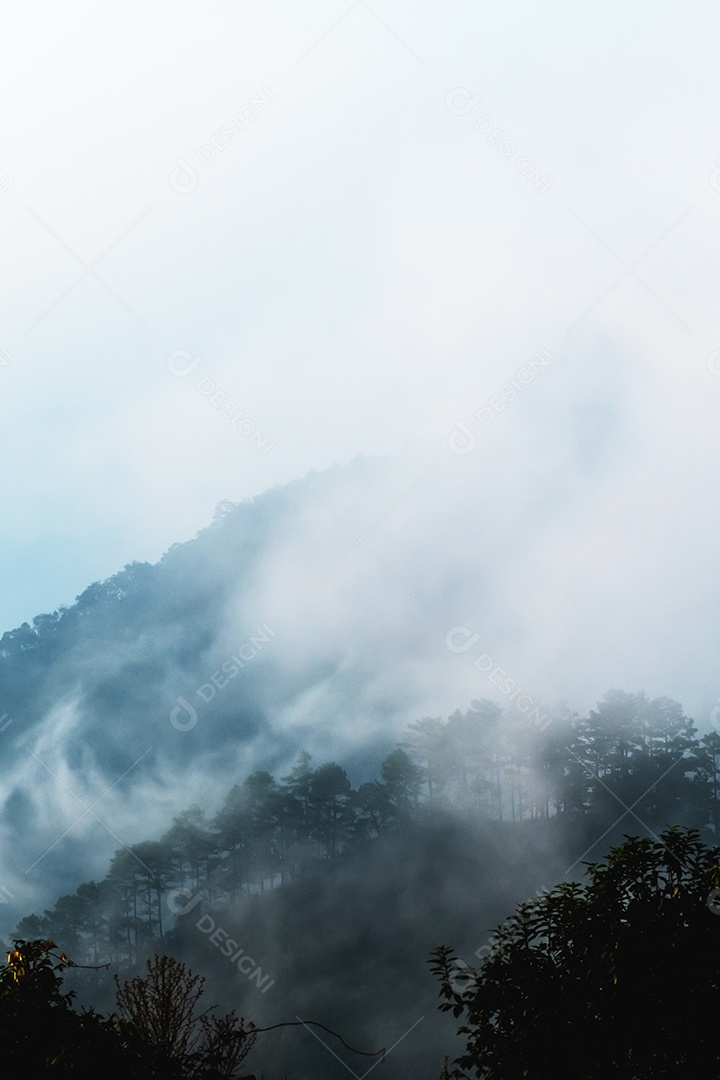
[[241, 243]]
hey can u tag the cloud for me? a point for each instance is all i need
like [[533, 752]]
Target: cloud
[[363, 271]]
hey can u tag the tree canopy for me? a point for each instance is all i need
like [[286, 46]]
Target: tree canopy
[[160, 1030], [610, 977], [578, 775]]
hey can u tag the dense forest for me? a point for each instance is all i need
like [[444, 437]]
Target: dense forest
[[311, 882], [483, 764]]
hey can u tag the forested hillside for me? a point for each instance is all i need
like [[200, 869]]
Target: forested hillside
[[303, 892]]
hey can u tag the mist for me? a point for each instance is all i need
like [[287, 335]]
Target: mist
[[359, 364]]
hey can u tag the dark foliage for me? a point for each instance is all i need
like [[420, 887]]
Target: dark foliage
[[160, 1031], [607, 978]]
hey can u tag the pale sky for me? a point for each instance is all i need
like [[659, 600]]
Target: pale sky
[[358, 223]]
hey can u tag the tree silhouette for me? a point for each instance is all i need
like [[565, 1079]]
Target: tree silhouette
[[169, 1031], [162, 1031], [607, 978], [330, 803], [39, 1030]]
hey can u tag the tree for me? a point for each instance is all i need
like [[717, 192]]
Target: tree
[[39, 1029], [471, 755], [402, 780], [162, 1020], [154, 872], [261, 807], [161, 1032], [606, 978], [296, 813], [121, 889], [427, 740], [706, 780], [247, 827], [330, 802], [191, 847], [231, 826]]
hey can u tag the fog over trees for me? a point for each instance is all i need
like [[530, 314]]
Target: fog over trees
[[307, 889], [206, 760], [359, 592]]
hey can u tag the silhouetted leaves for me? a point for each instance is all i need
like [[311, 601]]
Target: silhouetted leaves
[[607, 978]]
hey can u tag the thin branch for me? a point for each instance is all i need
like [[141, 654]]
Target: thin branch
[[316, 1023]]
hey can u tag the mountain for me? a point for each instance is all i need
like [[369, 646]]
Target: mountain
[[324, 615], [164, 683]]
